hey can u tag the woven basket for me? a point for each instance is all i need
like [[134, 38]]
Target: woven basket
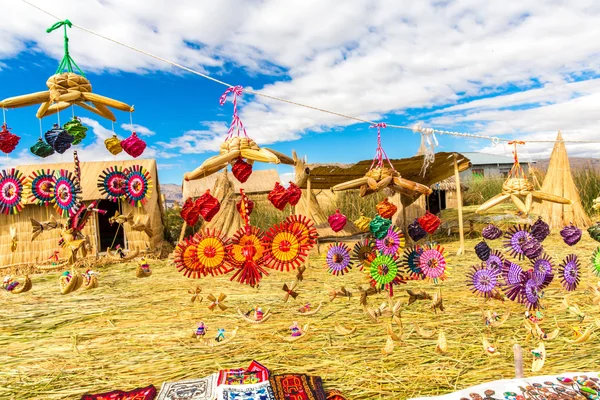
[[517, 186], [67, 82]]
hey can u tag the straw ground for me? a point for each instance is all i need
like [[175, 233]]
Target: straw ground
[[132, 332]]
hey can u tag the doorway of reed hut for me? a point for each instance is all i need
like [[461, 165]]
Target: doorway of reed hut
[[436, 201], [107, 231]]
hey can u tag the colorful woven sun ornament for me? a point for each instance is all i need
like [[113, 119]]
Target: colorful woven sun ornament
[[495, 260], [76, 129], [516, 236], [337, 259], [392, 243], [542, 270], [364, 252], [247, 254], [433, 262], [596, 262], [306, 227], [113, 145], [411, 262], [205, 253], [138, 186], [11, 191], [569, 272], [133, 145], [8, 140], [483, 281], [283, 246], [67, 193], [384, 273], [40, 187], [112, 183], [41, 149]]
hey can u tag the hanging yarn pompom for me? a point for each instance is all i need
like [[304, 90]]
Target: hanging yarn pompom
[[241, 170], [429, 222], [540, 230], [249, 206], [59, 139], [294, 194], [379, 226], [337, 221], [76, 129], [483, 251], [571, 234], [416, 231], [278, 196], [208, 205], [8, 140], [491, 232], [133, 145], [113, 145], [189, 212], [386, 209]]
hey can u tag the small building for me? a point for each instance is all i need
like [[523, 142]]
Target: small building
[[490, 166], [444, 195]]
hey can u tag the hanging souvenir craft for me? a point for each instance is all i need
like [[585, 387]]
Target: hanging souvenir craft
[[542, 270], [113, 145], [594, 231], [41, 149], [294, 194], [516, 236], [278, 196], [379, 226], [386, 209], [283, 247], [429, 222], [569, 272], [491, 232], [306, 227], [338, 259], [208, 206], [433, 262], [571, 234], [483, 281], [241, 170], [112, 183], [249, 206], [59, 139], [364, 253], [531, 292], [138, 186], [362, 223], [517, 186], [596, 262], [416, 231], [133, 145], [67, 194], [8, 140], [411, 262], [482, 250], [75, 129], [247, 254], [40, 187], [392, 243], [11, 191], [385, 272], [337, 221], [189, 212], [495, 260], [515, 278], [540, 230]]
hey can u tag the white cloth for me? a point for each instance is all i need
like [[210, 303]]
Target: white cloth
[[257, 391], [192, 389]]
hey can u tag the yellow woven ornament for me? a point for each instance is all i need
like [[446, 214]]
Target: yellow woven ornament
[[362, 223], [113, 144]]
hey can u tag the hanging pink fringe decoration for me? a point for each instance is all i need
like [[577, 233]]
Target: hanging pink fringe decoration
[[133, 145], [8, 140]]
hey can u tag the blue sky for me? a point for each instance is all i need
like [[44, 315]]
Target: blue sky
[[521, 70]]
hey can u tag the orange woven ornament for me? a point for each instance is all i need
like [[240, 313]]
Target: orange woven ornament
[[429, 222], [386, 209]]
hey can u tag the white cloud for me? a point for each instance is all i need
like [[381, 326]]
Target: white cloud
[[139, 129]]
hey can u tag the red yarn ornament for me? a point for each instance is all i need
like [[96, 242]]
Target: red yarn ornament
[[189, 212], [250, 206], [8, 140], [337, 221], [294, 194], [241, 170], [386, 209], [133, 145], [429, 222], [208, 205], [278, 196]]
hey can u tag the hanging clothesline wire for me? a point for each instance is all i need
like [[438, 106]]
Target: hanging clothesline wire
[[415, 128]]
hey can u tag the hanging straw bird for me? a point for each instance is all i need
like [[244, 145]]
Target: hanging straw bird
[[40, 227], [420, 295], [14, 239], [365, 293], [121, 218], [141, 223], [289, 291], [195, 295], [342, 292], [437, 302], [217, 302], [299, 272]]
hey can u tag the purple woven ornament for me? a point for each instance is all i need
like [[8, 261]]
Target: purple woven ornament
[[391, 243], [540, 230], [531, 294], [571, 234], [513, 273], [491, 232], [483, 280], [542, 268], [416, 231], [532, 248], [338, 259], [569, 272], [516, 291], [516, 236], [482, 250], [495, 260]]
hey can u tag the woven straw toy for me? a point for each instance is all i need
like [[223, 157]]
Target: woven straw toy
[[133, 145], [113, 145], [517, 187], [8, 140]]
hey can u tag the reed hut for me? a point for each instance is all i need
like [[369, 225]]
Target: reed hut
[[444, 195], [559, 181], [100, 232]]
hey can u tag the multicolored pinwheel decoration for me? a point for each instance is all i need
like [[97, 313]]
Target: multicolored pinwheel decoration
[[11, 191], [138, 187], [337, 259], [67, 193], [112, 183], [433, 262], [39, 187], [385, 272]]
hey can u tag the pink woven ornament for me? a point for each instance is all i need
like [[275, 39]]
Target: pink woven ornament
[[133, 145], [337, 221], [8, 140]]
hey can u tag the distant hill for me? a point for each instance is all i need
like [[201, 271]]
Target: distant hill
[[577, 163], [172, 192]]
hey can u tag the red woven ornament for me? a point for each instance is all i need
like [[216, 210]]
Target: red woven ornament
[[8, 141], [189, 212], [429, 222], [337, 221], [250, 206], [306, 227], [278, 196], [241, 170], [208, 205], [386, 209], [294, 194], [133, 145], [246, 255]]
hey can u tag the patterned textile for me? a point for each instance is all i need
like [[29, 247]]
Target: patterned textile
[[147, 393], [258, 391], [316, 384], [292, 387], [192, 389]]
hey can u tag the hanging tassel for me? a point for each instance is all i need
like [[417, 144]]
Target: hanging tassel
[[428, 144]]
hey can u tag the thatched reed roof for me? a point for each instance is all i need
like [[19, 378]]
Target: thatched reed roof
[[90, 171], [260, 182], [324, 176], [448, 184]]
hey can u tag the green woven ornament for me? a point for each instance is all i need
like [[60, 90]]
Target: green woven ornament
[[379, 226], [384, 270], [594, 231], [596, 262], [76, 129], [42, 149]]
